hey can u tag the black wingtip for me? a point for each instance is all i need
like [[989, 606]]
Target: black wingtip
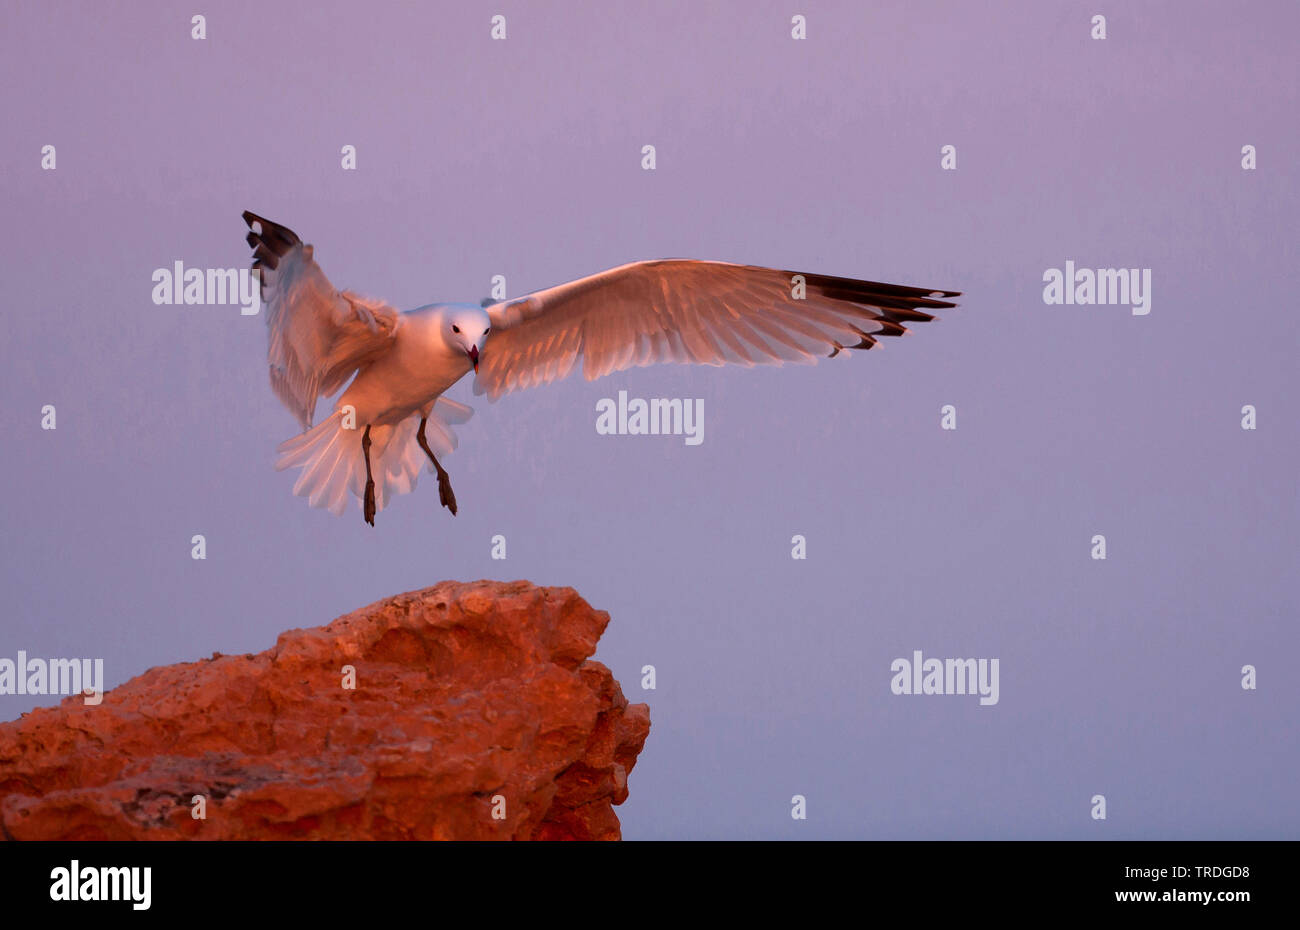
[[898, 303], [271, 241], [272, 231]]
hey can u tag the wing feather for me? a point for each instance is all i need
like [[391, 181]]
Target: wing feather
[[317, 336], [678, 310]]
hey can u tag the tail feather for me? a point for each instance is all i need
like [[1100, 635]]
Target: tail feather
[[295, 452], [449, 411], [333, 463], [403, 461], [336, 497], [326, 491], [315, 473]]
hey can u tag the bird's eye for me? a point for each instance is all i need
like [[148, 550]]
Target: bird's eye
[[455, 328], [485, 332]]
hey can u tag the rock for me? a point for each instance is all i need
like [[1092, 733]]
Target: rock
[[469, 698]]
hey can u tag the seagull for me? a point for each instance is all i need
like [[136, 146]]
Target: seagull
[[397, 365]]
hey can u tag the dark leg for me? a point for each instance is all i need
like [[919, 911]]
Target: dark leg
[[369, 512], [447, 498]]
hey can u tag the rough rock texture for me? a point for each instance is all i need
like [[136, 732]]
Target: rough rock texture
[[464, 692]]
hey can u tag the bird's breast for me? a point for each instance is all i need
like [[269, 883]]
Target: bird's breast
[[402, 382]]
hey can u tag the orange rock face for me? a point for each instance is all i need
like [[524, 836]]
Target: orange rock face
[[476, 714]]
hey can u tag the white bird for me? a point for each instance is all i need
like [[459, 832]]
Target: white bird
[[672, 310]]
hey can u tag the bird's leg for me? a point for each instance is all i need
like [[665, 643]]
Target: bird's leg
[[445, 495], [369, 507]]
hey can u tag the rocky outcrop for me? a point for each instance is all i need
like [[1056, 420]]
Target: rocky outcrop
[[476, 714]]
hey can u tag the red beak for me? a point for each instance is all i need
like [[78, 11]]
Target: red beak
[[473, 357]]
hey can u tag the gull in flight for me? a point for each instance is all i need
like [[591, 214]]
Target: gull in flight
[[392, 415]]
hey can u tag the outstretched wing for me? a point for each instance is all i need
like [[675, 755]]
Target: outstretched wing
[[317, 336], [679, 310]]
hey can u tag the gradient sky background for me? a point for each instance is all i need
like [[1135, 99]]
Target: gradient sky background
[[522, 158]]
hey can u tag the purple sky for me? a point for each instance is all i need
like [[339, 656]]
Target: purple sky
[[522, 158]]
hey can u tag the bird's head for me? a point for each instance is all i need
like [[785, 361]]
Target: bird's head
[[467, 330]]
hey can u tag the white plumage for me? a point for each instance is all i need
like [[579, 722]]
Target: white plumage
[[392, 416]]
